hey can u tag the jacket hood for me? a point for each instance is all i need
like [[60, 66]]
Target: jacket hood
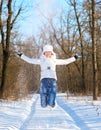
[[48, 48]]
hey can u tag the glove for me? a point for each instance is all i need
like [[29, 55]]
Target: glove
[[77, 56], [19, 54]]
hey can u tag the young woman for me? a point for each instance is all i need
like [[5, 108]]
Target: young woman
[[48, 78]]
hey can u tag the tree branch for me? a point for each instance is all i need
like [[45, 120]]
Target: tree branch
[[13, 21]]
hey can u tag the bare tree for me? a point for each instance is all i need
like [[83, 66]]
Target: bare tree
[[5, 30], [77, 15], [94, 52]]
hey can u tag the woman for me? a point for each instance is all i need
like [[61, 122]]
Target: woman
[[48, 78]]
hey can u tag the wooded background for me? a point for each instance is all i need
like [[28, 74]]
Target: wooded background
[[77, 30]]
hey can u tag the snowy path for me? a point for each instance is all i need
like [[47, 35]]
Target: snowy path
[[46, 119], [76, 113], [85, 112]]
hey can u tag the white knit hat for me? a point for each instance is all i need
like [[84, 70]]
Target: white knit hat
[[48, 48]]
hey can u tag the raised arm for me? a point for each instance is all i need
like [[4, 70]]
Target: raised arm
[[29, 60], [65, 61]]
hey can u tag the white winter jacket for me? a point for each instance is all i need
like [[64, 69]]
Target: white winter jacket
[[48, 65]]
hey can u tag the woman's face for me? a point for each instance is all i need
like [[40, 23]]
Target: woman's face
[[48, 54]]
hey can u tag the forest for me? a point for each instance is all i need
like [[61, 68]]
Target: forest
[[75, 30]]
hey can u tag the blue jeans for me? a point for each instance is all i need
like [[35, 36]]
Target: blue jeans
[[48, 89]]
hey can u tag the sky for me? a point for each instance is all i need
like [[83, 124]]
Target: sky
[[38, 13], [72, 113]]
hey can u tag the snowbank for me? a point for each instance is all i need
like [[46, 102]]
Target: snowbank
[[13, 114]]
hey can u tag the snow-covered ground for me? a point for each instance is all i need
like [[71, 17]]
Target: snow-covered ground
[[74, 113]]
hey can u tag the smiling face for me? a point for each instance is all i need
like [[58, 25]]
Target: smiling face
[[48, 54]]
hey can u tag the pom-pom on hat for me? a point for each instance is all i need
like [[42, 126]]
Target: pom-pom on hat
[[47, 48]]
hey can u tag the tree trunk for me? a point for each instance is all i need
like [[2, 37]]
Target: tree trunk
[[5, 47], [4, 68], [94, 52], [81, 43]]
